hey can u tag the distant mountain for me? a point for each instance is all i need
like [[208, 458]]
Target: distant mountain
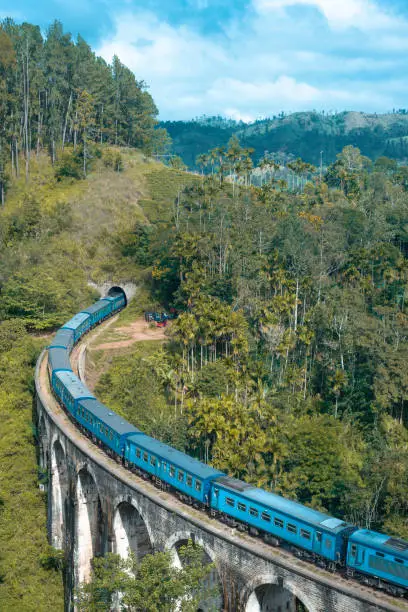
[[302, 135]]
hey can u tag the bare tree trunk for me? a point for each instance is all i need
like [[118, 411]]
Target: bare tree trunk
[[64, 133], [17, 161], [101, 128], [296, 305], [26, 83]]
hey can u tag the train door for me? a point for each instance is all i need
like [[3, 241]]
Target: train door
[[318, 542], [357, 554]]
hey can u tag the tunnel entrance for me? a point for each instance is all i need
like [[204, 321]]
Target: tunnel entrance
[[89, 525], [115, 291], [273, 598], [130, 532], [212, 584]]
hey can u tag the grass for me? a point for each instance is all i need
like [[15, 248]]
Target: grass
[[25, 585]]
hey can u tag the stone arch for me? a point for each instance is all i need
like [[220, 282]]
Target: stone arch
[[89, 524], [59, 494], [130, 532], [180, 539], [270, 593]]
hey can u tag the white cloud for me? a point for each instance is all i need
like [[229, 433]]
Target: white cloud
[[262, 64], [363, 14]]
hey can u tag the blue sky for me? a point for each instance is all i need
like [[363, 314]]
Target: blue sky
[[246, 58]]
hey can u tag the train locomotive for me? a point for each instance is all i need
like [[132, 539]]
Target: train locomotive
[[374, 558]]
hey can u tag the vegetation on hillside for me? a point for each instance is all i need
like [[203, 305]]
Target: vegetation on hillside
[[55, 236], [55, 93], [286, 365], [28, 580], [303, 135]]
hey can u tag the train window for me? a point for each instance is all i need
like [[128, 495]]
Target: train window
[[138, 453], [292, 528], [318, 536], [145, 457], [253, 512], [305, 534], [230, 502], [180, 475], [172, 470], [152, 460], [242, 507], [189, 481], [379, 554], [353, 550], [198, 485], [398, 560], [278, 523], [164, 466], [266, 517]]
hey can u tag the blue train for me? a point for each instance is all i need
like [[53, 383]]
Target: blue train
[[376, 559]]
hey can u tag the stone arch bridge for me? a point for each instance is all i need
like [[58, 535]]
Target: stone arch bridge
[[96, 506]]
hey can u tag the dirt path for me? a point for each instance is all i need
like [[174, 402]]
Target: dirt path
[[137, 331]]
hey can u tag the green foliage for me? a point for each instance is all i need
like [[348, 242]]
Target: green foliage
[[287, 355], [299, 135], [136, 387], [54, 92], [29, 582], [68, 166], [113, 159], [153, 585]]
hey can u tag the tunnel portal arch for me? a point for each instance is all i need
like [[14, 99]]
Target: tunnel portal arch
[[115, 290]]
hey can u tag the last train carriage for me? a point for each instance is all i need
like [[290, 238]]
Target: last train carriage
[[374, 558]]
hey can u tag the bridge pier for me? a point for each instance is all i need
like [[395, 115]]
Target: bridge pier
[[96, 506]]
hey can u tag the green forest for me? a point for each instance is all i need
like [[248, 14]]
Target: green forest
[[309, 135], [285, 364]]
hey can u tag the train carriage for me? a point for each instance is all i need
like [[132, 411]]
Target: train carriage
[[79, 324], [70, 390], [98, 311], [64, 338], [105, 425], [189, 476], [381, 557], [58, 361], [308, 529]]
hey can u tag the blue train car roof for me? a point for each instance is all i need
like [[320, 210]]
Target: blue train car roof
[[75, 321], [75, 387], [59, 359], [280, 504], [176, 457], [107, 416], [94, 307], [108, 298], [381, 542], [62, 338]]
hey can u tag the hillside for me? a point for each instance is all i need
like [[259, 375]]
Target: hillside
[[302, 135], [56, 236]]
